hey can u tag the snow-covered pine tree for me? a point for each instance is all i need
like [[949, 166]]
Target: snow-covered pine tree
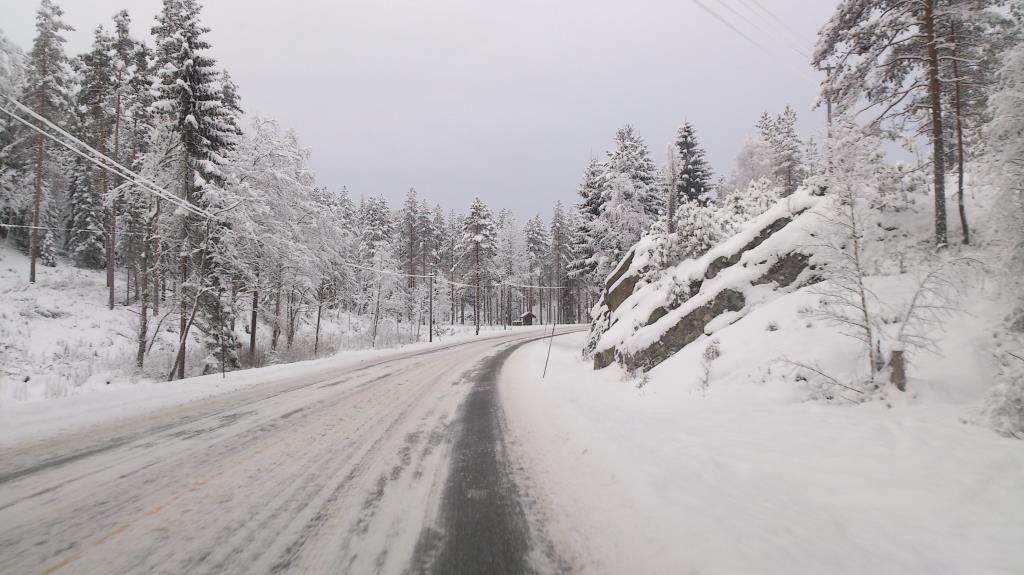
[[788, 152], [589, 208], [812, 158], [538, 246], [408, 242], [451, 263], [47, 91], [129, 100], [1005, 136], [88, 245], [510, 258], [434, 226], [12, 164], [12, 68], [699, 227], [232, 101], [428, 238], [631, 161], [745, 205], [693, 173], [478, 245], [753, 162], [561, 256], [973, 34], [376, 224], [624, 219], [188, 92], [629, 202], [885, 53]]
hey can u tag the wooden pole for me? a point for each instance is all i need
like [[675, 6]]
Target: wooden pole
[[548, 359]]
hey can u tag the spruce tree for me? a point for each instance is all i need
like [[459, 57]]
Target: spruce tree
[[537, 248], [631, 162], [592, 197], [561, 256], [87, 244], [47, 91], [232, 102], [478, 245], [693, 174], [189, 94], [408, 251], [788, 152], [12, 164]]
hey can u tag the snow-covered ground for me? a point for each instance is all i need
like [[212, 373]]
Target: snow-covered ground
[[36, 419], [747, 475], [59, 340]]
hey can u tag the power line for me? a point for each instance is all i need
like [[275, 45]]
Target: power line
[[60, 229], [99, 159], [756, 44], [796, 47], [98, 162], [728, 24], [779, 21], [446, 281]]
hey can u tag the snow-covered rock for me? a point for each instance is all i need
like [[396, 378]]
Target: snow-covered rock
[[648, 314]]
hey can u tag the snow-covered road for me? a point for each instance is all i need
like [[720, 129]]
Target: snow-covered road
[[346, 473]]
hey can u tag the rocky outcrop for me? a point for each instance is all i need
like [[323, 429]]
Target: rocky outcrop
[[786, 270], [685, 331], [603, 359], [722, 262], [674, 307], [621, 292]]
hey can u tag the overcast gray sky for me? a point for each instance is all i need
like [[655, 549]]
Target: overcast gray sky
[[505, 100]]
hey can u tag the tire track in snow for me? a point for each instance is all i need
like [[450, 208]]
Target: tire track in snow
[[337, 474], [482, 526]]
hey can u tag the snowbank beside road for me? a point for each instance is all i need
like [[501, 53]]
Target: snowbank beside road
[[34, 419], [665, 480]]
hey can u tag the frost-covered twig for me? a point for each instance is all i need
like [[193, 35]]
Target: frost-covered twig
[[830, 379], [932, 300]]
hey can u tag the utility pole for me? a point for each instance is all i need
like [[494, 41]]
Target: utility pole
[[430, 322]]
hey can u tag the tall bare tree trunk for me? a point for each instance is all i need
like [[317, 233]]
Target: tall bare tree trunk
[[183, 317], [37, 200], [293, 314], [275, 333], [671, 217], [476, 308], [112, 242], [938, 138], [142, 280], [183, 320], [252, 320], [316, 338], [129, 264], [159, 284], [958, 110]]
